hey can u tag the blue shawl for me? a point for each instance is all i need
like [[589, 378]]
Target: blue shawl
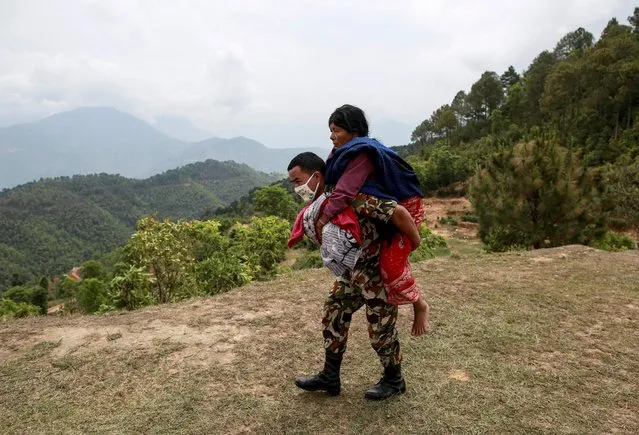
[[394, 178]]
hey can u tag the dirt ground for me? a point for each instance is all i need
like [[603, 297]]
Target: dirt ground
[[522, 342], [437, 208]]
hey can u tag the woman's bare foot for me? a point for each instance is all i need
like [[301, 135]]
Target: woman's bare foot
[[420, 324]]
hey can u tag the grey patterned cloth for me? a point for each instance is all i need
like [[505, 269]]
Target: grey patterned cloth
[[339, 249]]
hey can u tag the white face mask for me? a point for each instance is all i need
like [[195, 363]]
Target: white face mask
[[305, 192]]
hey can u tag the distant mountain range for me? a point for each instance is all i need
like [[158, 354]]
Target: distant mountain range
[[180, 128], [104, 140], [51, 225], [390, 132]]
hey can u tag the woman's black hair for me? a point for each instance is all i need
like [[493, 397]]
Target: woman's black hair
[[351, 119]]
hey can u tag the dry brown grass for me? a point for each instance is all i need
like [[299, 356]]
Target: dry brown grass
[[541, 342]]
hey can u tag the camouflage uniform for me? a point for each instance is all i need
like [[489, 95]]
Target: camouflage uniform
[[363, 286]]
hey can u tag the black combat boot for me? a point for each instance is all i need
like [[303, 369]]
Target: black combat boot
[[326, 380], [391, 383]]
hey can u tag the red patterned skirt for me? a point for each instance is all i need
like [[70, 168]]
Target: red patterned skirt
[[396, 272]]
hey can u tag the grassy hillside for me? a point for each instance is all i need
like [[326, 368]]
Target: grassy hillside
[[50, 225], [524, 342]]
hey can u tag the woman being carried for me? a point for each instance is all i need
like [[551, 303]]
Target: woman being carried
[[361, 165]]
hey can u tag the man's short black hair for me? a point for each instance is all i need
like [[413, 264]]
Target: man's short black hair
[[351, 119], [308, 162]]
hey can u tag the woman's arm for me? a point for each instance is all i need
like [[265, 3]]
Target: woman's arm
[[402, 219], [348, 186]]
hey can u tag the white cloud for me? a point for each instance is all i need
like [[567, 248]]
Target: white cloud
[[251, 66]]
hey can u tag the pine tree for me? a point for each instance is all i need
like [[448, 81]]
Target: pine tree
[[536, 195]]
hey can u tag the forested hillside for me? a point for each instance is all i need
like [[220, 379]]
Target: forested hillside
[[581, 96], [48, 226]]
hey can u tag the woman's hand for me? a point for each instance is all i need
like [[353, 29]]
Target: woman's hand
[[415, 242], [319, 225]]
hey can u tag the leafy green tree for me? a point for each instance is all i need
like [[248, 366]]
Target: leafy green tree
[[509, 78], [36, 296], [574, 44], [516, 105], [561, 100], [613, 28], [424, 132], [485, 95], [205, 238], [66, 288], [275, 201], [130, 288], [536, 195], [40, 299], [534, 83], [10, 309], [609, 76], [442, 168], [44, 283], [444, 122], [162, 249], [223, 271], [91, 294], [498, 124], [51, 225], [634, 21], [430, 244], [622, 193], [93, 269], [217, 267], [263, 243], [460, 107], [16, 280], [19, 293]]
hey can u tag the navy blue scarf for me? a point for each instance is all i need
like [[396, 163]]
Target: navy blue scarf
[[394, 178]]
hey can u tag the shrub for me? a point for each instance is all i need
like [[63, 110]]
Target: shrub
[[274, 201], [614, 242], [36, 296], [443, 167], [93, 269], [447, 220], [622, 193], [66, 288], [10, 309], [130, 289], [430, 243], [309, 260], [91, 295], [222, 272], [262, 242], [470, 218], [164, 249]]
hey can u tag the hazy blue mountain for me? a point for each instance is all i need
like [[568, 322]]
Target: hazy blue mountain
[[390, 132], [104, 140], [180, 128], [82, 141], [244, 150]]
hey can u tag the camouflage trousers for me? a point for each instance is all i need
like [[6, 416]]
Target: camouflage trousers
[[350, 292]]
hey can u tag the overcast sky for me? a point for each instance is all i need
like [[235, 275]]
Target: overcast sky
[[273, 68]]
